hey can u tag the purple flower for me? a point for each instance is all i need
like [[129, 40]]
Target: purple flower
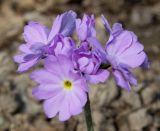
[[63, 91], [38, 39], [86, 27], [123, 52], [87, 62]]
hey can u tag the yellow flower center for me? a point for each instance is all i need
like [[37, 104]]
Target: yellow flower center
[[67, 84]]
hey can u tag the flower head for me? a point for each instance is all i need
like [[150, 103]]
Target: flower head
[[123, 52], [62, 90], [38, 39], [87, 62], [86, 27]]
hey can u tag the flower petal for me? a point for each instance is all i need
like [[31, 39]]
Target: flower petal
[[45, 91], [146, 63], [43, 76], [106, 24], [64, 113], [68, 23], [19, 58], [52, 106], [119, 44], [120, 80], [97, 46], [25, 48], [64, 24], [100, 76], [35, 32], [27, 65], [75, 106], [82, 83], [80, 93], [60, 64], [83, 61], [134, 56]]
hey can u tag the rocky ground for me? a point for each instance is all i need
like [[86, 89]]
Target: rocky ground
[[113, 108]]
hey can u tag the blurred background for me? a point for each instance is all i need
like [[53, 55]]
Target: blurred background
[[113, 108]]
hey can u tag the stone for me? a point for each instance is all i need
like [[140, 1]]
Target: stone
[[5, 59], [7, 103], [10, 27], [141, 16], [110, 5], [24, 5], [123, 124], [132, 99], [149, 94], [97, 118], [24, 91], [156, 10], [139, 119], [1, 120], [109, 127], [4, 123], [104, 93]]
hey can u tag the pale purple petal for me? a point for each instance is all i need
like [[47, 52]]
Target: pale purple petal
[[68, 23], [64, 112], [43, 76], [79, 92], [27, 65], [55, 28], [64, 24], [117, 29], [52, 106], [97, 46], [81, 27], [58, 48], [85, 28], [19, 58], [35, 32], [100, 76], [133, 56], [146, 63], [45, 91], [25, 48], [63, 46], [89, 68], [132, 80], [37, 48], [82, 83], [128, 75], [120, 80], [119, 44], [75, 106], [60, 63], [106, 24], [83, 61]]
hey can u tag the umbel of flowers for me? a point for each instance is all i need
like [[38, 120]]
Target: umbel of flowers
[[70, 67]]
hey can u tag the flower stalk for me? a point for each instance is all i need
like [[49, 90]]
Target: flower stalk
[[88, 115]]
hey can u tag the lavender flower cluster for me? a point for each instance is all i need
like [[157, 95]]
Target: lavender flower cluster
[[68, 68]]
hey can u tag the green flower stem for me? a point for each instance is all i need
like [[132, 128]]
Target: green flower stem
[[88, 115], [87, 108]]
